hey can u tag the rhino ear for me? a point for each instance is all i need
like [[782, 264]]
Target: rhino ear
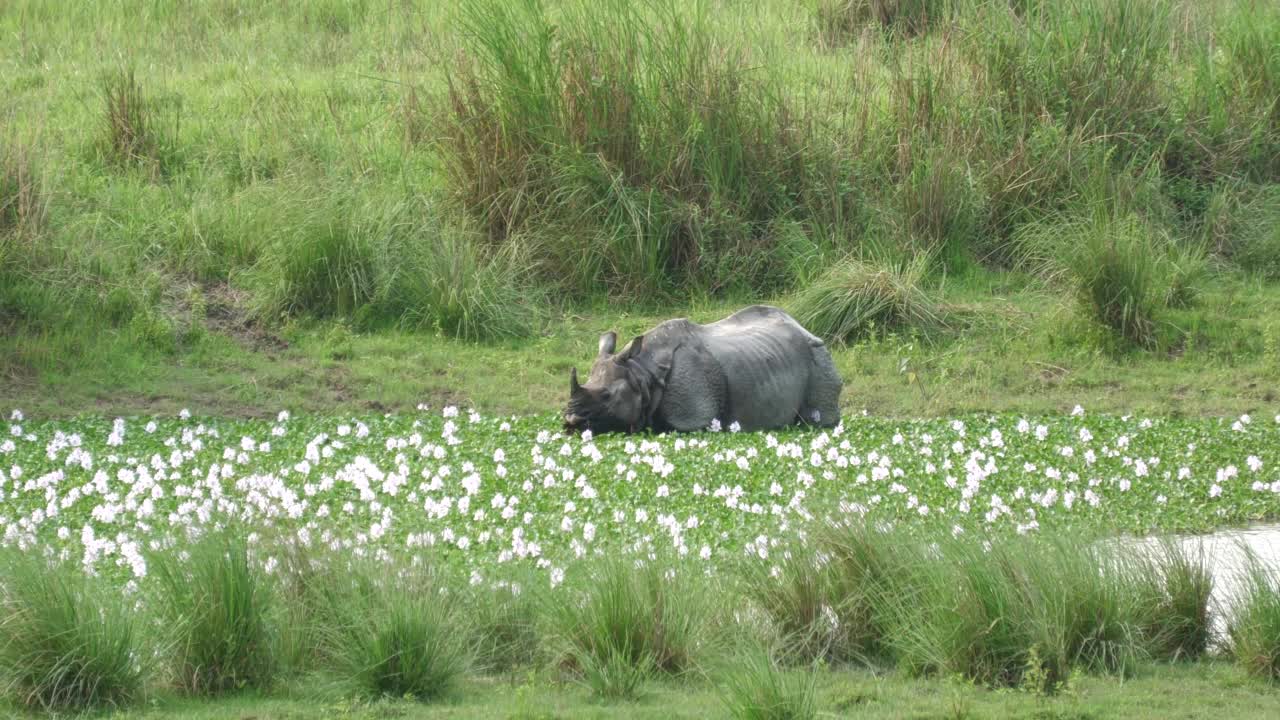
[[607, 342], [574, 387], [631, 350]]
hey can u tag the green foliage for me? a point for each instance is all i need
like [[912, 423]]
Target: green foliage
[[826, 599], [399, 633], [1021, 611], [656, 147], [858, 297], [623, 622], [1115, 264], [217, 609], [1177, 623], [505, 623], [755, 688], [1255, 624], [67, 641]]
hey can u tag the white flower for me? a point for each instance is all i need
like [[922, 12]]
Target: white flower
[[1077, 411], [1215, 490], [734, 426], [715, 425]]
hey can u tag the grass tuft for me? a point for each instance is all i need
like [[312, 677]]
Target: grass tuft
[[23, 200], [132, 133], [396, 633], [857, 298], [1255, 627], [67, 642], [623, 623], [218, 609], [755, 688]]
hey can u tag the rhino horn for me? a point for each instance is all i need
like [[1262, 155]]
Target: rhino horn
[[573, 380], [607, 342], [631, 350]]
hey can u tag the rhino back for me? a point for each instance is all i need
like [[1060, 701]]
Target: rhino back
[[767, 359]]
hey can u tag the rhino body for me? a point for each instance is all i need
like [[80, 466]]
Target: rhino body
[[758, 368]]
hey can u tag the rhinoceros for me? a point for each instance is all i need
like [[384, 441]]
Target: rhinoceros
[[758, 368]]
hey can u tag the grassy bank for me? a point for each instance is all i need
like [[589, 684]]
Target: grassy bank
[[1021, 201], [1015, 349]]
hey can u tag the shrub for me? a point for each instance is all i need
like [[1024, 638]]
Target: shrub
[[622, 622], [396, 633], [1255, 626], [67, 643], [218, 609], [756, 689], [858, 297]]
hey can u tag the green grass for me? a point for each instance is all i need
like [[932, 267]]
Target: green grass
[[625, 623], [1197, 690], [757, 689], [1255, 630], [68, 643], [858, 298], [398, 634], [475, 169], [215, 607]]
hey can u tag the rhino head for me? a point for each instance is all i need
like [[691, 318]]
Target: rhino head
[[620, 394]]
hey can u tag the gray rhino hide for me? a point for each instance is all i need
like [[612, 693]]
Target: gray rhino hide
[[758, 368]]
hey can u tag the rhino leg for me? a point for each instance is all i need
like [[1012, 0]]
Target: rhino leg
[[821, 404]]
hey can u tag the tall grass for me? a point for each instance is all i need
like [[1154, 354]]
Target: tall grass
[[1030, 611], [755, 688], [133, 134], [1118, 266], [23, 201], [1255, 628], [1177, 624], [826, 599], [505, 623], [857, 297], [218, 612], [841, 20], [344, 253], [620, 623], [398, 633], [659, 149], [634, 150], [67, 642]]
